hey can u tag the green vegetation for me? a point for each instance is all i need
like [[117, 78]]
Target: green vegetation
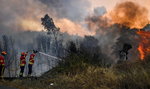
[[76, 73]]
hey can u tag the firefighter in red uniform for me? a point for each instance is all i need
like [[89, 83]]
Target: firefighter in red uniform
[[31, 62], [22, 63], [2, 63]]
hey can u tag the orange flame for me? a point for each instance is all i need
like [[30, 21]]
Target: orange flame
[[144, 45], [130, 14], [141, 51]]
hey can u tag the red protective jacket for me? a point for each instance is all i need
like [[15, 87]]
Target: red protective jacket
[[31, 60], [2, 60], [23, 60]]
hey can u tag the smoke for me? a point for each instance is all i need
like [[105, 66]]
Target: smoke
[[74, 10], [26, 14], [130, 14], [73, 17], [115, 32], [21, 14], [100, 11], [73, 28], [106, 34]]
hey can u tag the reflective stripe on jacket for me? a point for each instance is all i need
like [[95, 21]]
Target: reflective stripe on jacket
[[22, 60], [31, 60]]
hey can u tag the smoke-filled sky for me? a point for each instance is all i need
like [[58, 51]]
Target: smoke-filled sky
[[69, 15]]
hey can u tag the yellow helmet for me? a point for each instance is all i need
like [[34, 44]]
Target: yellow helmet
[[3, 53]]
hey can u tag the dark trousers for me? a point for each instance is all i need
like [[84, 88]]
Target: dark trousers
[[30, 69], [2, 68], [21, 71]]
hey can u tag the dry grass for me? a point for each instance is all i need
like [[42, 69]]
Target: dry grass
[[127, 75]]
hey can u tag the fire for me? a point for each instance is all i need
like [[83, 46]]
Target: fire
[[141, 51], [130, 14], [144, 45]]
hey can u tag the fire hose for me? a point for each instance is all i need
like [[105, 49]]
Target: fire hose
[[35, 51], [49, 55]]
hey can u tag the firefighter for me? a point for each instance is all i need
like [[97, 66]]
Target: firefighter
[[124, 51], [2, 63], [31, 62], [22, 63]]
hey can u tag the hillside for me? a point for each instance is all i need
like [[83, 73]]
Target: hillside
[[125, 75]]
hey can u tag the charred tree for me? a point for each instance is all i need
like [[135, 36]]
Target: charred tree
[[50, 27]]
